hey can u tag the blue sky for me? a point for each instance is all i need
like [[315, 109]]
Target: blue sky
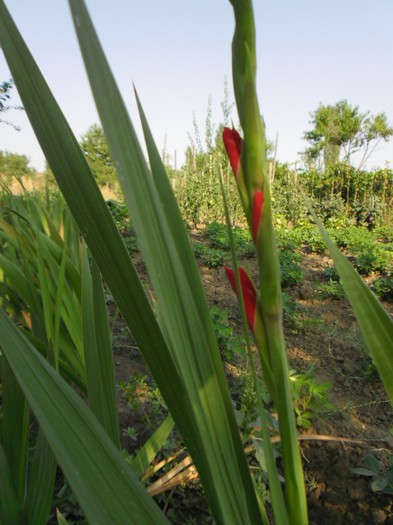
[[177, 52]]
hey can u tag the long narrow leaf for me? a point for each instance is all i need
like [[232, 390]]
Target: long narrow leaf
[[10, 507], [89, 209], [41, 482], [182, 307], [142, 461], [108, 490], [14, 427], [101, 389], [375, 323]]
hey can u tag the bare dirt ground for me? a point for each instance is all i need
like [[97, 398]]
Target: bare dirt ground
[[327, 337]]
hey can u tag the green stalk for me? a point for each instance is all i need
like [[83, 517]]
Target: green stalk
[[268, 329], [277, 497]]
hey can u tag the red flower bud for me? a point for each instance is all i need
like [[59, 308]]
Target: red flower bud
[[257, 205], [248, 291], [233, 145]]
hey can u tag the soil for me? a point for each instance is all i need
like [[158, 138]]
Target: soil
[[326, 337]]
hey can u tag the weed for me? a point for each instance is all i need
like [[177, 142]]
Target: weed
[[290, 260], [298, 321], [309, 396], [131, 433], [120, 214], [229, 344], [382, 478], [330, 274], [331, 290], [383, 287], [130, 241], [144, 398], [211, 257], [217, 234]]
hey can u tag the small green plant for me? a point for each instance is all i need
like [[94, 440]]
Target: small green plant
[[313, 240], [382, 479], [290, 258], [217, 234], [120, 214], [309, 396], [211, 257], [143, 398], [331, 290], [384, 234], [366, 261], [291, 271], [130, 241], [383, 287], [229, 344], [330, 274]]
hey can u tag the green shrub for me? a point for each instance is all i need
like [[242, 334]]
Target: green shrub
[[383, 287], [211, 257]]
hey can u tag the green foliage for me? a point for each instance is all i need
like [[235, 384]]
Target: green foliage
[[331, 289], [291, 270], [382, 478], [122, 219], [341, 128], [383, 286], [330, 274], [177, 337], [13, 165], [230, 345], [96, 150], [144, 400], [286, 196], [211, 257], [309, 396], [217, 234], [198, 190]]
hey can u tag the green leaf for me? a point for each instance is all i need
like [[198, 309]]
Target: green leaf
[[188, 373], [372, 463], [89, 210], [41, 482], [141, 462], [14, 427], [10, 508], [101, 387], [182, 309], [107, 489], [375, 323], [363, 471], [379, 484]]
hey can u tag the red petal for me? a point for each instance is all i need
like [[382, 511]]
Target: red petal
[[249, 293], [257, 205], [233, 145]]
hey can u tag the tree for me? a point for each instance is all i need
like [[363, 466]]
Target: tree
[[5, 88], [341, 130], [96, 150], [13, 165]]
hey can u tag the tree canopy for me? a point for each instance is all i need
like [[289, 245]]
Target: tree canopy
[[96, 150], [340, 130], [13, 165]]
